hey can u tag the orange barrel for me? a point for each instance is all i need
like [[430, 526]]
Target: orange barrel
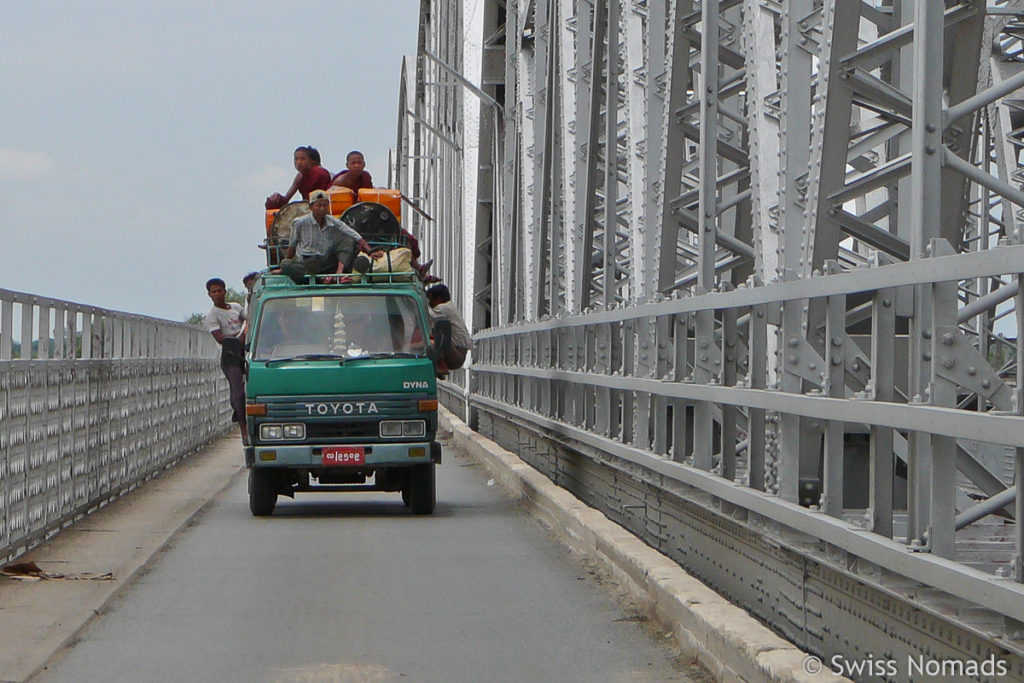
[[271, 215], [389, 198], [341, 199]]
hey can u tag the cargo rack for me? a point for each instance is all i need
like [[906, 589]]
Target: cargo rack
[[375, 222]]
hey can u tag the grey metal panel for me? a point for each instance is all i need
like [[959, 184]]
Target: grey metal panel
[[998, 595], [76, 431]]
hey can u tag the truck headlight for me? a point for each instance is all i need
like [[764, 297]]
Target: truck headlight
[[296, 431], [282, 432], [390, 428], [414, 428], [394, 429], [271, 432]]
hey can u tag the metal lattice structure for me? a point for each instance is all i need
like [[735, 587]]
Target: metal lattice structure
[[766, 252], [92, 402]]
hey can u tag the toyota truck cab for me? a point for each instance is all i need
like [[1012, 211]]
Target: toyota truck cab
[[341, 393]]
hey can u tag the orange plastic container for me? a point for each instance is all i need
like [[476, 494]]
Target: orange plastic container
[[271, 215], [389, 198], [341, 199]]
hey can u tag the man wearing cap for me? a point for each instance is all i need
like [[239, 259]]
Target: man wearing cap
[[320, 243]]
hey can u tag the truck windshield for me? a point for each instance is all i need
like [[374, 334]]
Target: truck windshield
[[341, 326]]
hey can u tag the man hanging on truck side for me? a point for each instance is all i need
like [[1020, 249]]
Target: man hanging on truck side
[[225, 322], [451, 337]]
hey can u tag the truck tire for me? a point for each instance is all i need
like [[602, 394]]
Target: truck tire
[[422, 491], [262, 491]]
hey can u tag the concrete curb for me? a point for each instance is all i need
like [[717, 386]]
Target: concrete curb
[[725, 638], [39, 619]]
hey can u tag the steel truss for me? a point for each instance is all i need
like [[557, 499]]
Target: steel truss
[[782, 262]]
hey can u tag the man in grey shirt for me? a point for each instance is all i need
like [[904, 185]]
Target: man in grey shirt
[[320, 243], [451, 338]]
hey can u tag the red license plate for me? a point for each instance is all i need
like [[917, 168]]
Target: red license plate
[[344, 455]]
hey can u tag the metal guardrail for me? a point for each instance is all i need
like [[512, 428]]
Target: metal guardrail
[[92, 402], [826, 424], [683, 388]]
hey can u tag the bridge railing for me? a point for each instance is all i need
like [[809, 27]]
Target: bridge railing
[[685, 388], [93, 401]]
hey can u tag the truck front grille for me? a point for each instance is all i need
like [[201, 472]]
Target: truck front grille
[[322, 431]]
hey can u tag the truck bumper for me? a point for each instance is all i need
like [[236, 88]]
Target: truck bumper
[[376, 455]]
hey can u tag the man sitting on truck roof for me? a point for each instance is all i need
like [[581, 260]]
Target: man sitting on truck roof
[[320, 243], [311, 176], [355, 175]]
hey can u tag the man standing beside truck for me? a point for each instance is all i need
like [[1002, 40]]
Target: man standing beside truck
[[225, 321]]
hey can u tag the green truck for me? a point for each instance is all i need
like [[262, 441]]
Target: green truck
[[341, 389]]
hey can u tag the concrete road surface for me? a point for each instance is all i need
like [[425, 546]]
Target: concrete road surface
[[352, 587]]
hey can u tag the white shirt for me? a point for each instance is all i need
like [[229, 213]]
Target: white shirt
[[228, 320]]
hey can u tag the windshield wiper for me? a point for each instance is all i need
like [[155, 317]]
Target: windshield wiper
[[309, 356], [385, 354]]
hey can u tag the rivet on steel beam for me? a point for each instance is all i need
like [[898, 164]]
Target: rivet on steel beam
[[972, 371], [926, 356], [927, 334], [887, 303], [947, 339], [948, 363], [985, 384]]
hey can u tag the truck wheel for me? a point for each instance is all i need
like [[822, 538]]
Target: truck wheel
[[422, 492], [262, 491]]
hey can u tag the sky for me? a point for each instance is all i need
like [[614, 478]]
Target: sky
[[139, 140]]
